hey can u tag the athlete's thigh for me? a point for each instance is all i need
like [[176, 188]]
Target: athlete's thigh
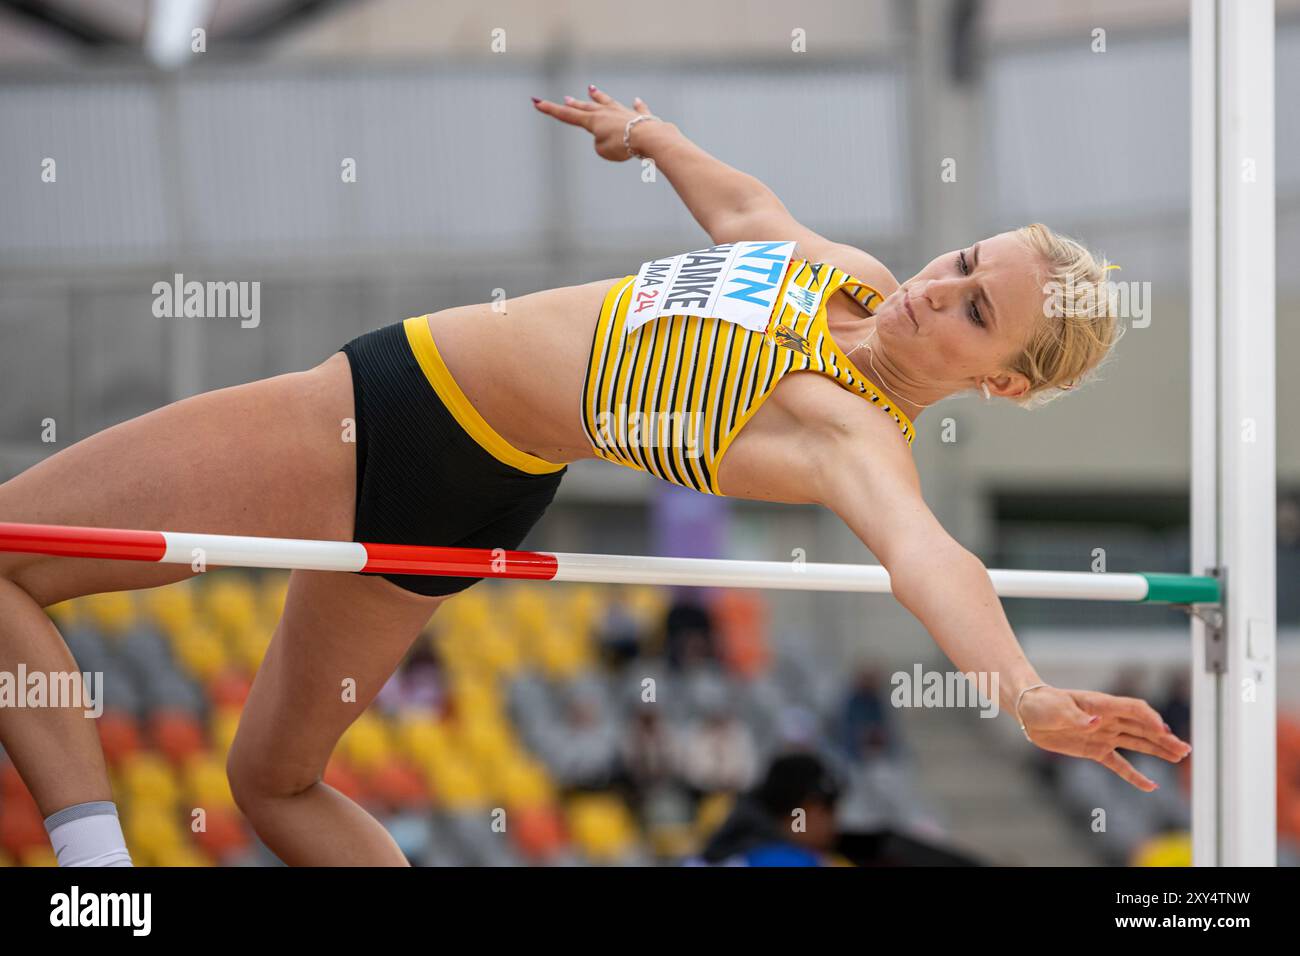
[[340, 638], [265, 458]]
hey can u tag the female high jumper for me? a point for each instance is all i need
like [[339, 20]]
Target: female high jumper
[[734, 370]]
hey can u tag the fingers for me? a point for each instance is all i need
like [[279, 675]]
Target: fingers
[[640, 106], [581, 104], [1113, 761], [1162, 738], [566, 114], [600, 96], [1142, 745], [1130, 707]]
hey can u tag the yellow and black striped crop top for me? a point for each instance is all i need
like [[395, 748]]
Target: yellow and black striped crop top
[[670, 395]]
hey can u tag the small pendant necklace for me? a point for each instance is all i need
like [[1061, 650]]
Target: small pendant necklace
[[871, 359]]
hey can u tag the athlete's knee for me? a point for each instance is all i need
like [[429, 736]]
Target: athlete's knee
[[255, 778]]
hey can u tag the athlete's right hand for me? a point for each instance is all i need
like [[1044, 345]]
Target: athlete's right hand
[[604, 117], [1096, 726]]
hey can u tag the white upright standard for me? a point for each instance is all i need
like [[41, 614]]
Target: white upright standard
[[1234, 693]]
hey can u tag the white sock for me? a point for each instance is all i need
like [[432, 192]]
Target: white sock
[[88, 834]]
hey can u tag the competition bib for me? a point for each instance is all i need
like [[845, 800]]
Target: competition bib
[[736, 282]]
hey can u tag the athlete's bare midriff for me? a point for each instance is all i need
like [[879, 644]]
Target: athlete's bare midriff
[[523, 366]]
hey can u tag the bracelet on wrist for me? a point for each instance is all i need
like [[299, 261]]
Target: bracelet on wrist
[[1018, 699], [627, 133]]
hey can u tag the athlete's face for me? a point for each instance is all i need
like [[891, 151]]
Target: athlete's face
[[963, 318]]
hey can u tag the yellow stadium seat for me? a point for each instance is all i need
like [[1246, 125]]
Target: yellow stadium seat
[[112, 612], [486, 740], [500, 652], [151, 831], [523, 783], [583, 606], [475, 690], [221, 730], [171, 607], [147, 777], [271, 594], [422, 739], [183, 855], [468, 610], [525, 603], [648, 603], [366, 743], [456, 786], [601, 826], [1167, 849], [63, 614], [711, 813], [562, 653], [673, 841], [201, 653], [204, 782], [40, 856], [248, 648], [229, 602]]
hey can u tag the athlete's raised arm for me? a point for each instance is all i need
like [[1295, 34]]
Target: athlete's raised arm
[[873, 488], [729, 204]]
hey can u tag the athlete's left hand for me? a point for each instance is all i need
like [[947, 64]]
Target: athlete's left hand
[[604, 117]]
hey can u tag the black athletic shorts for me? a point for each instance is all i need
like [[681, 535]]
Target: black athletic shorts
[[430, 470]]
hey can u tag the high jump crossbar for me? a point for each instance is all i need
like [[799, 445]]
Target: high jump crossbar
[[220, 550]]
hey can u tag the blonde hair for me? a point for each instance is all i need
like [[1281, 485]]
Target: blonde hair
[[1079, 326]]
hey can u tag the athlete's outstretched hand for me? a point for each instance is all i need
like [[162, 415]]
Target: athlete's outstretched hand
[[1085, 723], [604, 117]]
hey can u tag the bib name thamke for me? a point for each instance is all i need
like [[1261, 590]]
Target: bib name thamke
[[735, 282]]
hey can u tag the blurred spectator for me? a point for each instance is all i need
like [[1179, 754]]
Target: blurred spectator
[[582, 750], [788, 820], [649, 749], [617, 633], [718, 753], [865, 730], [416, 685], [650, 777], [688, 635]]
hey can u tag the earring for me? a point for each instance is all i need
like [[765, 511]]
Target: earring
[[987, 396]]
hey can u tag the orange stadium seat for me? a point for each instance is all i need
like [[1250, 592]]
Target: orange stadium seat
[[538, 831], [21, 827], [398, 786], [119, 735], [224, 834], [177, 735], [741, 618], [229, 688]]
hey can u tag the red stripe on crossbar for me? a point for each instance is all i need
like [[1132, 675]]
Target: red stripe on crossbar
[[84, 542], [460, 562]]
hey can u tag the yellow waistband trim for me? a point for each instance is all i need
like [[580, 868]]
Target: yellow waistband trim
[[436, 371]]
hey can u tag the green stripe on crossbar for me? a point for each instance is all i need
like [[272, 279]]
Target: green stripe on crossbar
[[1182, 589]]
